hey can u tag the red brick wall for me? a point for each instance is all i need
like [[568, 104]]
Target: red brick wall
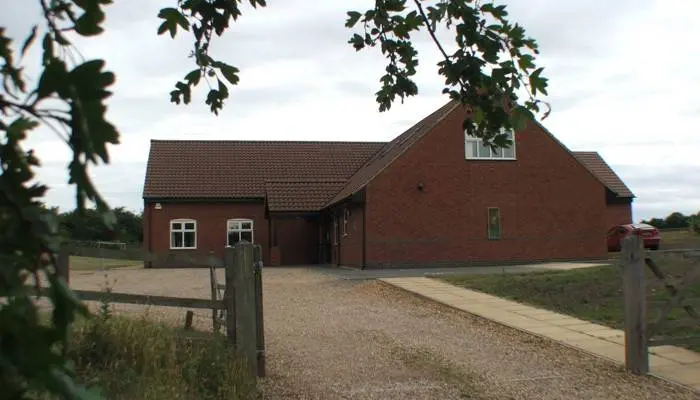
[[351, 244], [618, 214], [550, 206], [211, 225]]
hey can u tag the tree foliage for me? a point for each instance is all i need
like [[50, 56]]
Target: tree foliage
[[89, 225], [490, 63], [676, 220]]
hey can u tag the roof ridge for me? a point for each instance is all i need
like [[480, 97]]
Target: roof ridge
[[216, 141]]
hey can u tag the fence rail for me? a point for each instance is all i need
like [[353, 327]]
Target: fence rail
[[639, 333], [236, 304]]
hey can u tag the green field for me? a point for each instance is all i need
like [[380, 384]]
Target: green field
[[684, 239], [93, 264], [593, 294]]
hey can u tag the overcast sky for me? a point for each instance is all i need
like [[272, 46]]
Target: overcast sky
[[624, 76]]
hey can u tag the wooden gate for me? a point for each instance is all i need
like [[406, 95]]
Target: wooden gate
[[640, 333]]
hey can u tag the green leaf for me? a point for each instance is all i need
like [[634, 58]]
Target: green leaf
[[17, 130], [230, 73], [537, 83], [353, 17], [194, 76], [172, 18], [47, 46], [163, 27], [53, 79], [29, 40], [526, 62], [89, 23]]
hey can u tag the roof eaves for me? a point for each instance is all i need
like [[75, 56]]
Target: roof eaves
[[609, 168]]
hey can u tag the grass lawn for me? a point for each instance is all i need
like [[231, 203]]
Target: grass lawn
[[593, 294], [92, 264]]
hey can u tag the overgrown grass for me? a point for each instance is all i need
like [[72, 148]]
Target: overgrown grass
[[138, 359], [93, 264], [593, 294]]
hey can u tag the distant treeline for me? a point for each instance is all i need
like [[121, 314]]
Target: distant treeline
[[676, 220], [89, 226]]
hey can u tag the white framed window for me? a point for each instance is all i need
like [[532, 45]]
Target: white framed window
[[239, 229], [183, 234], [475, 149]]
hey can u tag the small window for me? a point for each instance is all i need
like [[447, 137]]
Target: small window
[[494, 225], [238, 230], [183, 234], [346, 215], [335, 229], [475, 148]]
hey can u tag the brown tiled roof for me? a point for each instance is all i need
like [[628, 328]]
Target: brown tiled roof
[[598, 167], [294, 195], [391, 151], [182, 169]]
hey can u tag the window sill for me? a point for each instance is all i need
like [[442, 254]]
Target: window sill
[[183, 248], [490, 159]]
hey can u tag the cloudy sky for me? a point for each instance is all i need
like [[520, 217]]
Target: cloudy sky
[[623, 76]]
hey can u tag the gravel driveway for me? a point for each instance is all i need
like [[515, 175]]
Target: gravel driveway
[[338, 339]]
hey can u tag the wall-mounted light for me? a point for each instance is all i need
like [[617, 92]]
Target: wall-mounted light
[[158, 206], [420, 186]]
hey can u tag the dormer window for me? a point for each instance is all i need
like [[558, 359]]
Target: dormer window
[[475, 149]]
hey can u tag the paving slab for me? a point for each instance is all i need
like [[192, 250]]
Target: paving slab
[[677, 354], [669, 362]]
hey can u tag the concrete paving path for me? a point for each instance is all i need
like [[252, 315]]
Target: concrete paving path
[[358, 274], [668, 362]]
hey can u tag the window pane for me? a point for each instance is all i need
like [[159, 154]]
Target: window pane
[[498, 153], [234, 225], [189, 239], [509, 152], [233, 238], [247, 236], [471, 149], [484, 150], [176, 239], [176, 226], [247, 225], [494, 223], [189, 225]]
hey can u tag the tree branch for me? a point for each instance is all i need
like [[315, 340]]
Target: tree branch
[[430, 30]]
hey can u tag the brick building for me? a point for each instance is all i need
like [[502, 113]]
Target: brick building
[[432, 196]]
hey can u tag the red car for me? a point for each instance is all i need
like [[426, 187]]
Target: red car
[[649, 234]]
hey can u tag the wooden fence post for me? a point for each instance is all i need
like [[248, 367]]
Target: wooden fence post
[[260, 325], [244, 293], [636, 345], [229, 298], [63, 263]]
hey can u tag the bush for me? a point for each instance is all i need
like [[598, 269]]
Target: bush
[[138, 359], [695, 223]]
